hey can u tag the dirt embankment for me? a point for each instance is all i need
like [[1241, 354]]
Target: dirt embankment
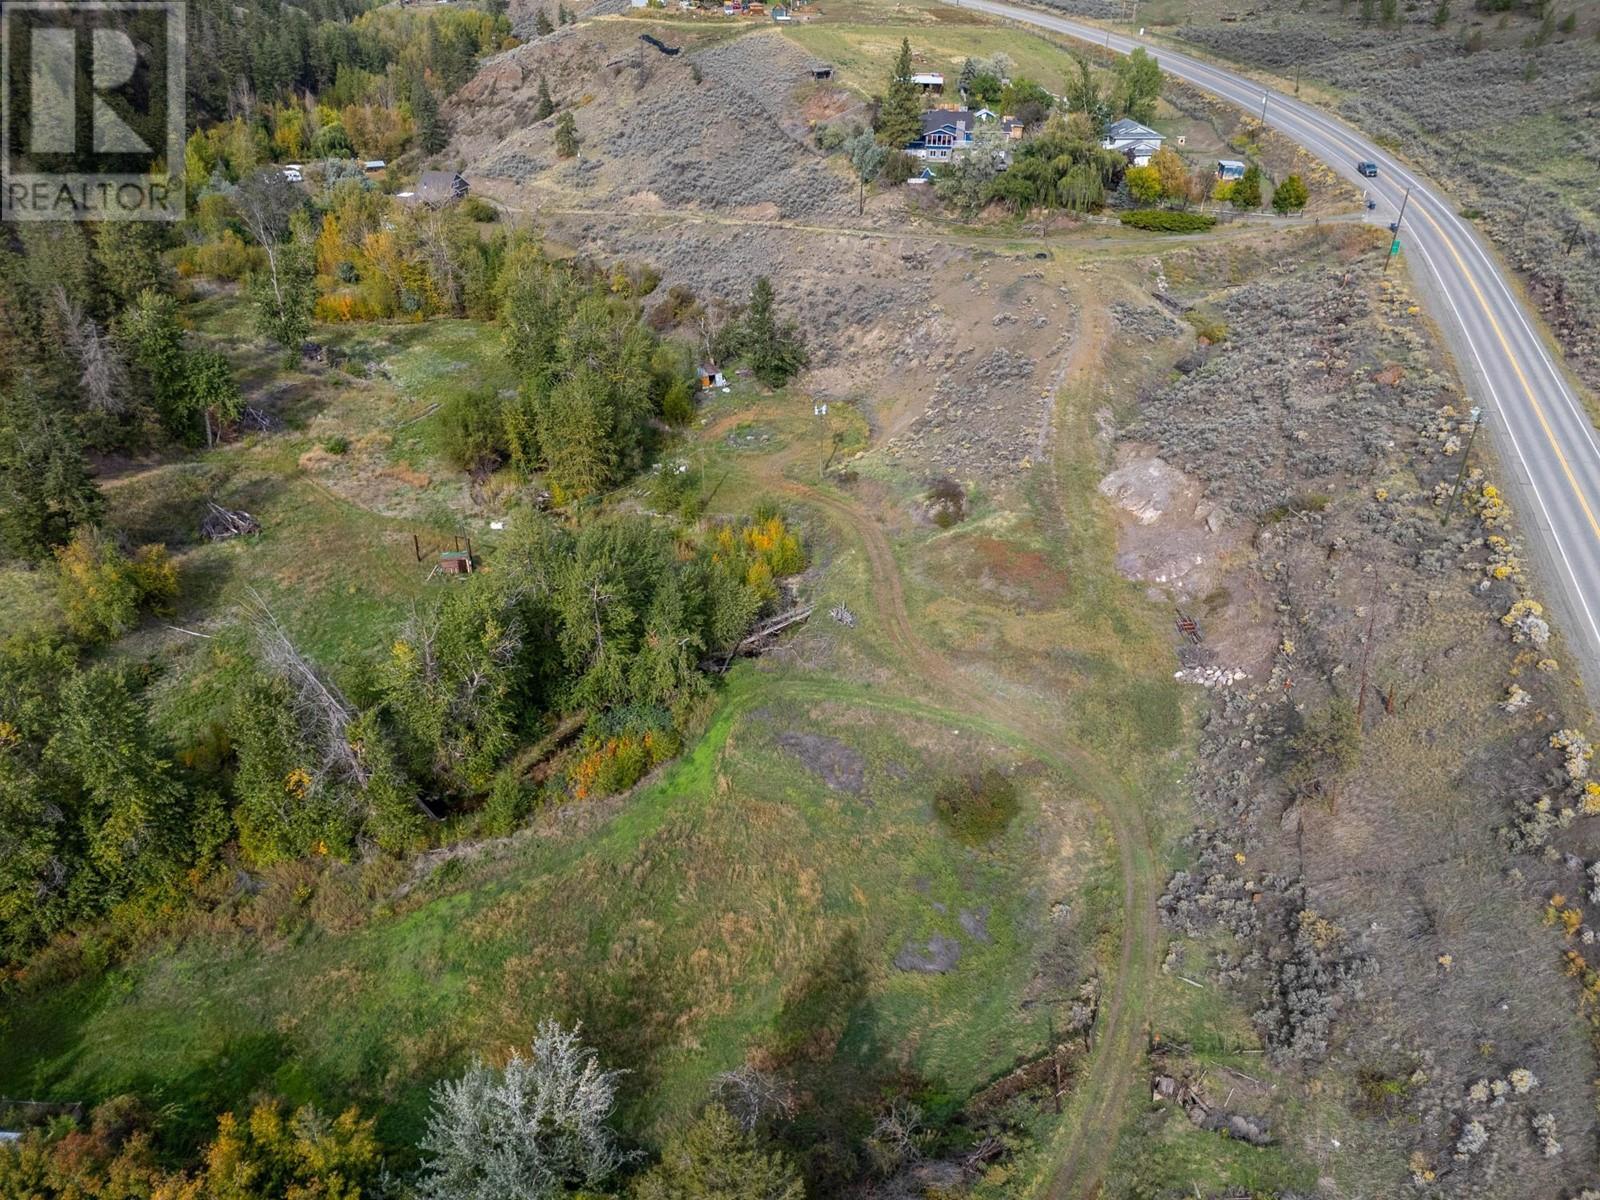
[[1352, 882], [719, 126]]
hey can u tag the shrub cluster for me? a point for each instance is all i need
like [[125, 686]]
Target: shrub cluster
[[1167, 220]]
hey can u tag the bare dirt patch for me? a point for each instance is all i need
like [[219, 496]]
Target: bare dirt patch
[[1169, 536], [839, 766]]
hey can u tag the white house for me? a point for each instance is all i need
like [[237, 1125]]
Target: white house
[[1135, 142]]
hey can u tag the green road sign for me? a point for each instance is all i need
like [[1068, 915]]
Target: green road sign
[[1394, 246]]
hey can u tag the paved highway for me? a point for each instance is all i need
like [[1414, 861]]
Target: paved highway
[[1539, 424]]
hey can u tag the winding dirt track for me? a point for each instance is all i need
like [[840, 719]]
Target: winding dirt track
[[1102, 1088]]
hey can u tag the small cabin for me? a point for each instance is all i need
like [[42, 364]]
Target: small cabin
[[710, 377], [375, 166], [1229, 169], [822, 71], [929, 81]]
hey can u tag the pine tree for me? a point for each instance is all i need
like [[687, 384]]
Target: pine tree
[[775, 352], [431, 136], [45, 487], [566, 136], [149, 333], [128, 255], [542, 25], [900, 117], [133, 802], [1247, 190], [1291, 195], [714, 1159], [546, 105]]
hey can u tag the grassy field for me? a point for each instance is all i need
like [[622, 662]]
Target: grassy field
[[684, 928], [863, 51]]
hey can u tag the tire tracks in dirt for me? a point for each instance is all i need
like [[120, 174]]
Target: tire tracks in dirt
[[1084, 1151]]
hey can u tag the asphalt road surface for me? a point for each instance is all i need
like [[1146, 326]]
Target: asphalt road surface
[[1540, 427]]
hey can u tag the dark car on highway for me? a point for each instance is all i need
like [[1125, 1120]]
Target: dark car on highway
[[1369, 169]]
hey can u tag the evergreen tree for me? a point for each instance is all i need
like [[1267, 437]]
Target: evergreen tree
[[546, 105], [41, 854], [1290, 196], [133, 811], [969, 72], [576, 438], [149, 333], [1247, 190], [775, 351], [566, 136], [431, 135], [564, 15], [900, 117], [128, 255], [285, 806], [45, 487], [714, 1159], [451, 681], [541, 24]]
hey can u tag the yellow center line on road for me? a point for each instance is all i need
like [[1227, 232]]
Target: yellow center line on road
[[1522, 378], [1340, 139]]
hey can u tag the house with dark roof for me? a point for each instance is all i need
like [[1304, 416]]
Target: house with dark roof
[[946, 134], [438, 188], [1135, 142]]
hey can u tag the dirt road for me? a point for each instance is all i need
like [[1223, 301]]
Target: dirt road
[[1102, 1089]]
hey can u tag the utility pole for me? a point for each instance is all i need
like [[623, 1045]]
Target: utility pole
[[1461, 475], [1394, 244]]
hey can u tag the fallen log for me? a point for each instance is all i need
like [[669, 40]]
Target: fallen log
[[769, 628]]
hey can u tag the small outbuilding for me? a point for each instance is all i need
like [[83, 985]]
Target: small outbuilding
[[1229, 168], [929, 81], [822, 70], [710, 377], [375, 166], [438, 188]]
